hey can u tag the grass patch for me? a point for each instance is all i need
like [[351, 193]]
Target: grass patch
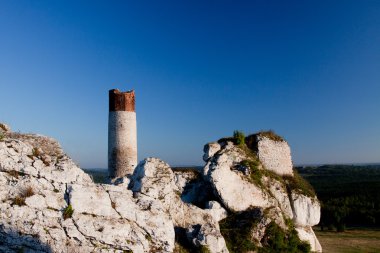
[[68, 212], [293, 183], [36, 152], [19, 201], [298, 184], [256, 173], [27, 192], [352, 240], [270, 135], [23, 194], [3, 127], [14, 173]]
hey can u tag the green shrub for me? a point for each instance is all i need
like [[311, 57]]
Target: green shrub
[[239, 137], [255, 173], [204, 249], [2, 136], [277, 240], [68, 212], [236, 230]]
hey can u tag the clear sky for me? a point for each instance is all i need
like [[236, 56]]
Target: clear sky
[[310, 70]]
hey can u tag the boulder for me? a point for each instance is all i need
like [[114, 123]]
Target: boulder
[[210, 149], [307, 234], [207, 237], [216, 210], [155, 179], [306, 210], [230, 186], [48, 204]]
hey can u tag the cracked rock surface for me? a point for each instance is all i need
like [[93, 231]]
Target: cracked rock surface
[[48, 204], [38, 183]]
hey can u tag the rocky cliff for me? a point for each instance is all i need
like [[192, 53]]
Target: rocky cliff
[[245, 196]]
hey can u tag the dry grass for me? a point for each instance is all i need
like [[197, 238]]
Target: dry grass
[[20, 201], [23, 194], [3, 127], [14, 173], [351, 241], [27, 192], [271, 135]]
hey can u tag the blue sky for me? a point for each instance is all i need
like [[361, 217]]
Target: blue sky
[[310, 70]]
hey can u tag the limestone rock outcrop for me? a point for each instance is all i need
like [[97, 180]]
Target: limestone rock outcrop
[[154, 178], [48, 204], [242, 181], [229, 184]]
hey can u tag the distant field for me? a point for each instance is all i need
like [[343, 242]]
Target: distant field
[[350, 241]]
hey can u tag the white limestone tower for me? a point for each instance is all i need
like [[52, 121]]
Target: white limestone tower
[[122, 133]]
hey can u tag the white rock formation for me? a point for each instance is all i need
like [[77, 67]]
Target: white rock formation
[[216, 210], [237, 192], [275, 155], [154, 178], [35, 194], [210, 149], [208, 237], [306, 210], [234, 191], [307, 234], [48, 204]]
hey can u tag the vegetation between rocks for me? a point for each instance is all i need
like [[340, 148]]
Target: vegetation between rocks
[[298, 184], [278, 240], [237, 232], [68, 212], [239, 137], [3, 127], [23, 194], [294, 183], [270, 135]]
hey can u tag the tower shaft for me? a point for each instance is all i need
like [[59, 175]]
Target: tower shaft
[[122, 133]]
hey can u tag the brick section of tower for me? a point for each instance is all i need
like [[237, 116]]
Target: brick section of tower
[[121, 101]]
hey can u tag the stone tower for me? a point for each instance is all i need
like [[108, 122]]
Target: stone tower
[[122, 133]]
